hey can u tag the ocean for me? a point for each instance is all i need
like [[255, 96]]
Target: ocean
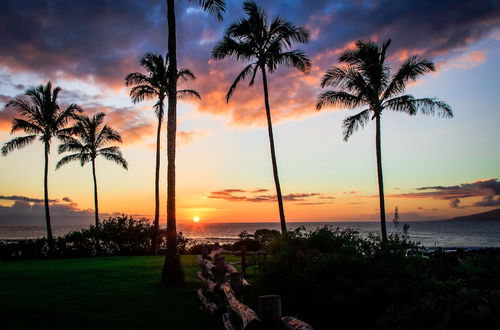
[[431, 234]]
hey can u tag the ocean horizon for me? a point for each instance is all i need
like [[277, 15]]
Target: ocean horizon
[[431, 234]]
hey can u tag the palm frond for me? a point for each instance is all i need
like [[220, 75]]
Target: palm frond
[[241, 76], [184, 74], [228, 47], [82, 158], [184, 94], [365, 52], [115, 158], [287, 32], [142, 92], [67, 131], [71, 112], [25, 126], [27, 109], [106, 135], [37, 95], [338, 99], [295, 59], [110, 150], [411, 106], [404, 103], [368, 59], [17, 143], [263, 43], [432, 106], [214, 7], [73, 145], [348, 79], [353, 123], [410, 70], [154, 64], [136, 78]]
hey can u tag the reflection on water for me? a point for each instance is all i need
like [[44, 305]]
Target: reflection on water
[[430, 234]]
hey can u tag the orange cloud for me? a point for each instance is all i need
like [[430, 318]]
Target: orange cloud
[[255, 196], [187, 137], [128, 121], [467, 61], [246, 107], [6, 115]]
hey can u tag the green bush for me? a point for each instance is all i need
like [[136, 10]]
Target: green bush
[[117, 236], [339, 279]]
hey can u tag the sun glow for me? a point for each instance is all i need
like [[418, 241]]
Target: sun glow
[[196, 219]]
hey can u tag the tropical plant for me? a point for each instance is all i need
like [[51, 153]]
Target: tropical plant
[[155, 85], [172, 269], [92, 141], [264, 43], [364, 80], [41, 117]]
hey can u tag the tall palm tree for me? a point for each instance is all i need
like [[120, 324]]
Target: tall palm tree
[[155, 85], [264, 44], [42, 117], [93, 140], [365, 80], [172, 269]]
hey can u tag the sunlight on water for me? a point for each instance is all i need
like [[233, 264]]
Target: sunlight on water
[[430, 234]]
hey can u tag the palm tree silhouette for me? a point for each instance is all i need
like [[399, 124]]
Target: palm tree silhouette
[[93, 140], [155, 85], [172, 269], [264, 44], [366, 80], [42, 117]]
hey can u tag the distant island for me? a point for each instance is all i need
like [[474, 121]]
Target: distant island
[[493, 215]]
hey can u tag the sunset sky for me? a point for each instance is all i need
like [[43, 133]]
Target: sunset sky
[[434, 168]]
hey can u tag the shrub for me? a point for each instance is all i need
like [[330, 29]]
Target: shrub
[[117, 236], [334, 278]]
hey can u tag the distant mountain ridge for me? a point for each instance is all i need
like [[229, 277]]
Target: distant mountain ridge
[[493, 215]]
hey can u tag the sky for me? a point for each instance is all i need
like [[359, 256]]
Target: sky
[[434, 168]]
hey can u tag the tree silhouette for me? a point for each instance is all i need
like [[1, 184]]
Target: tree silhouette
[[43, 118], [93, 140], [154, 85], [364, 79], [172, 269], [262, 42]]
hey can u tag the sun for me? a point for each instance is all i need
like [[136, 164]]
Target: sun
[[196, 219]]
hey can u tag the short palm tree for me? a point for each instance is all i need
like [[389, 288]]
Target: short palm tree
[[365, 80], [92, 141], [154, 85], [43, 118], [264, 44], [173, 273]]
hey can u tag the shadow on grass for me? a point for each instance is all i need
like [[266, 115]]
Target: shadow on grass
[[97, 293]]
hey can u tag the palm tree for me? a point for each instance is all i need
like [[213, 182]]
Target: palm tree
[[172, 269], [42, 117], [365, 80], [93, 141], [264, 44], [155, 85]]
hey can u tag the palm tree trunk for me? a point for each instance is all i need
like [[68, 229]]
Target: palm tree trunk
[[96, 206], [173, 273], [380, 180], [96, 201], [50, 238], [156, 225], [273, 153]]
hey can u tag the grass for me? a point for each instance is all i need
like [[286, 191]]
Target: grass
[[98, 293]]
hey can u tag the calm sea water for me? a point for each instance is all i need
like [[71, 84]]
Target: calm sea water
[[430, 234]]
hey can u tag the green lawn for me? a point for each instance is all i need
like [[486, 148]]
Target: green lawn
[[97, 293]]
